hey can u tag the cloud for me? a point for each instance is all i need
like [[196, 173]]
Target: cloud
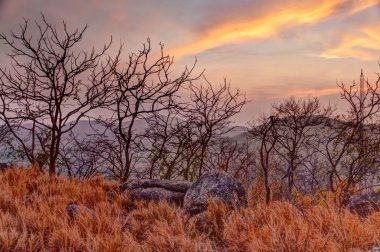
[[270, 92], [351, 7], [312, 92], [274, 20], [364, 45]]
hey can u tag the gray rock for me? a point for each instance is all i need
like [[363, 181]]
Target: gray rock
[[365, 203], [171, 185], [126, 227], [214, 185], [73, 210], [157, 190], [5, 166], [157, 194]]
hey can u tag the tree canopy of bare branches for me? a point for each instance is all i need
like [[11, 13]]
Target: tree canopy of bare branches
[[50, 85], [211, 109], [145, 85], [291, 132], [185, 140], [352, 146]]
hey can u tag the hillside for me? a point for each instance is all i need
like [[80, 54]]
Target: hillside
[[33, 217]]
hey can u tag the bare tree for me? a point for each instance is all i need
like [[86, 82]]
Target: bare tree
[[292, 134], [297, 131], [264, 132], [185, 141], [169, 140], [51, 84], [80, 157], [352, 146], [210, 111], [234, 157], [145, 85]]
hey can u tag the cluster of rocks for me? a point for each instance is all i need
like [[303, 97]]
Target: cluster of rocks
[[194, 197], [215, 185]]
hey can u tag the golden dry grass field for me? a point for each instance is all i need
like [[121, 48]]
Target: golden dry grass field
[[33, 217]]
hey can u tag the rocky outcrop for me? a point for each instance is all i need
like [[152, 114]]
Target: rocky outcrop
[[214, 185], [194, 197], [157, 190], [365, 203], [171, 185], [157, 194]]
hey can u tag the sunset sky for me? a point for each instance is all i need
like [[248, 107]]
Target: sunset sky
[[270, 49]]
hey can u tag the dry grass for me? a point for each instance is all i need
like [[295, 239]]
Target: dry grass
[[33, 218]]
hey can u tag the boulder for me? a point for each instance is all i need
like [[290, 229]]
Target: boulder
[[214, 185], [126, 227], [365, 203], [74, 210], [157, 190]]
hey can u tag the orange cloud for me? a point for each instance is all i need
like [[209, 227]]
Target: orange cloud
[[268, 24], [358, 45], [360, 5], [308, 92], [318, 92]]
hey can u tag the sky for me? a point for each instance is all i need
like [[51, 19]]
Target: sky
[[269, 49]]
